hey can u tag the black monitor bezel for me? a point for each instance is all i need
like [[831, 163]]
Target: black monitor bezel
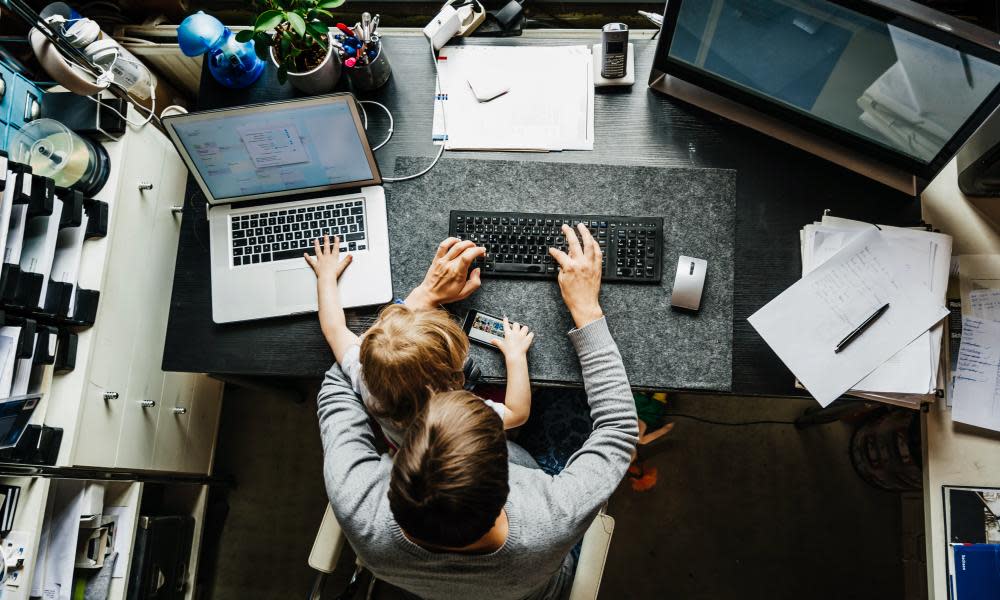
[[927, 171]]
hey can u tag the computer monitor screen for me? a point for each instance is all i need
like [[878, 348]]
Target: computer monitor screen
[[871, 79], [274, 150]]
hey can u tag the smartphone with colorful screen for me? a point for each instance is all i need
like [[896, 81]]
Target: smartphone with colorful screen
[[483, 328]]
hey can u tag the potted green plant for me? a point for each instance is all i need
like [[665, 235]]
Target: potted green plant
[[295, 36]]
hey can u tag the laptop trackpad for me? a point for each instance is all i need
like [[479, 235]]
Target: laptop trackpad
[[295, 287]]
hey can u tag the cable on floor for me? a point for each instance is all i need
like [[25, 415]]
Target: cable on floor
[[728, 423]]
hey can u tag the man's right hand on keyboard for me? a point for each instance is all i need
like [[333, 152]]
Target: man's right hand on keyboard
[[580, 275]]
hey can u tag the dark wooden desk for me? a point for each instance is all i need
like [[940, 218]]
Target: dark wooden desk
[[779, 189]]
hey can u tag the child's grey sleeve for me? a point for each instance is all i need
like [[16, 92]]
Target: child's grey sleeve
[[351, 365]]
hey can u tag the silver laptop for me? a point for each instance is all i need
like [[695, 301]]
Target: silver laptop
[[276, 177]]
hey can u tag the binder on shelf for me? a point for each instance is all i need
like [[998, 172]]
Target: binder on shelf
[[6, 204], [25, 345], [97, 218], [85, 307], [20, 177], [3, 170], [66, 352], [16, 411], [57, 298], [41, 198], [9, 495], [37, 254], [28, 290], [36, 191], [72, 212], [45, 345], [39, 445]]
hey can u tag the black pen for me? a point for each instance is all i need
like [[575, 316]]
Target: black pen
[[860, 329]]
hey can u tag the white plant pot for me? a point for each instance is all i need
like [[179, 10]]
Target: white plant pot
[[320, 80]]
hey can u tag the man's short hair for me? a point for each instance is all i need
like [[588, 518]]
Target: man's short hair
[[449, 478]]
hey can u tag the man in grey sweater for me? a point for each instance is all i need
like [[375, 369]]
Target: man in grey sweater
[[452, 518]]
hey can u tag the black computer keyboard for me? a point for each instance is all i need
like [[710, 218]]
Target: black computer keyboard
[[517, 244]]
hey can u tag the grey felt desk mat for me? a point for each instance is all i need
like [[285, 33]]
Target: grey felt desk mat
[[661, 347]]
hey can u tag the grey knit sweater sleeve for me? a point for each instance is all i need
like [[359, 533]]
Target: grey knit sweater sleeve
[[595, 470], [356, 475]]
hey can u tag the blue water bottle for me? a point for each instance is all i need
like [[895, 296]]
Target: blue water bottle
[[233, 64]]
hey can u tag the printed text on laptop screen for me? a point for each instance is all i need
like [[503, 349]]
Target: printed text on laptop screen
[[269, 152]]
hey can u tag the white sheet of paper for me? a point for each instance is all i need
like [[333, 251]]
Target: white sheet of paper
[[805, 322], [976, 399], [40, 245], [62, 538], [549, 106]]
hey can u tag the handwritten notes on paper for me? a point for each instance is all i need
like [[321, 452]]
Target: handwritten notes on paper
[[985, 304], [977, 384], [805, 322]]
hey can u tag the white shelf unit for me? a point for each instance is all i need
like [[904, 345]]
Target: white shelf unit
[[117, 408]]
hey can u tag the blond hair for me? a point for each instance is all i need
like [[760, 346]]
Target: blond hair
[[409, 355]]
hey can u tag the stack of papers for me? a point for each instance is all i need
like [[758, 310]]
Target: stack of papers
[[548, 103], [850, 269]]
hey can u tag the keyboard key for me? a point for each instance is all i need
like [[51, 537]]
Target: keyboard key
[[287, 254], [353, 237], [517, 268]]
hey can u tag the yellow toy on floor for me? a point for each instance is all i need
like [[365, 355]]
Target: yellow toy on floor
[[651, 410]]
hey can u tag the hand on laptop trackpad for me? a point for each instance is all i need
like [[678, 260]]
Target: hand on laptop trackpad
[[295, 287]]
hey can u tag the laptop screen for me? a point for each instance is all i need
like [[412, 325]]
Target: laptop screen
[[278, 149]]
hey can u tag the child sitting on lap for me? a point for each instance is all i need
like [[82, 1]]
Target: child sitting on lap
[[409, 355]]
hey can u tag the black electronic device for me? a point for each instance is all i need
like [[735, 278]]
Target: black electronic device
[[161, 556], [614, 47], [483, 328], [891, 89], [101, 120], [517, 244]]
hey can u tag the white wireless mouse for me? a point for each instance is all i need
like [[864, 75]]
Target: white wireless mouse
[[688, 283]]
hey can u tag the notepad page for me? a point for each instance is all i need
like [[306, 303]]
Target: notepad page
[[976, 397]]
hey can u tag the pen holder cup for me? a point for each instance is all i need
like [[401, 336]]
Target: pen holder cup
[[365, 78]]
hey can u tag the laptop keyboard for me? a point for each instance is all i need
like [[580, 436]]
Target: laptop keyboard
[[281, 234]]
